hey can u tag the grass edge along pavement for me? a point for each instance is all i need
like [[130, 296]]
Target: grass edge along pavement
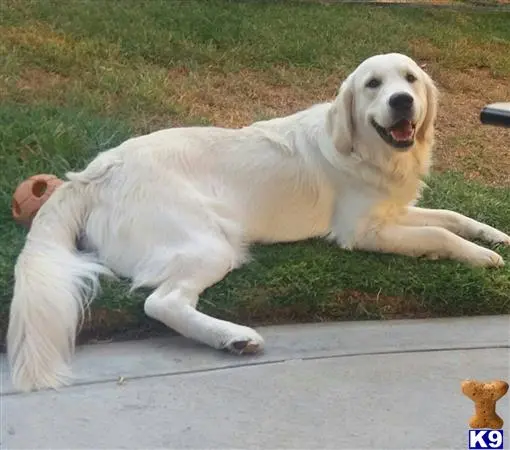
[[308, 281]]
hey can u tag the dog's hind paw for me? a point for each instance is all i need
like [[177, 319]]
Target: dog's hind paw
[[242, 345]]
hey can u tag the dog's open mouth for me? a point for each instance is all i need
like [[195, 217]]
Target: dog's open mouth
[[399, 135]]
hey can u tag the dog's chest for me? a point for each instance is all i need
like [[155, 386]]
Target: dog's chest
[[290, 212]]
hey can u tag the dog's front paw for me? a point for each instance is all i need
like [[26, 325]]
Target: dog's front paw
[[483, 257], [494, 236], [503, 239]]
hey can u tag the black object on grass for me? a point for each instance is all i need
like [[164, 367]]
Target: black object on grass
[[497, 114]]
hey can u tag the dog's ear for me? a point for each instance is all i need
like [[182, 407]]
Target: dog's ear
[[426, 131], [339, 121]]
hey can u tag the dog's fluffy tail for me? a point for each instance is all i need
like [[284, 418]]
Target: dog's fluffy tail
[[53, 286]]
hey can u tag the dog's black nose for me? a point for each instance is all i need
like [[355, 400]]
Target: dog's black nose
[[401, 101]]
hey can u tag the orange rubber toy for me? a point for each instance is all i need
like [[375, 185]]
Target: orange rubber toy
[[30, 195]]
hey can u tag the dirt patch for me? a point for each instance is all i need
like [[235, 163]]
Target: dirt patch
[[105, 325], [264, 308]]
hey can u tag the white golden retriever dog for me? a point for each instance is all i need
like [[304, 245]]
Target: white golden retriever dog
[[176, 210]]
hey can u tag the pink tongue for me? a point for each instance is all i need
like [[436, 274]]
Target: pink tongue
[[403, 132]]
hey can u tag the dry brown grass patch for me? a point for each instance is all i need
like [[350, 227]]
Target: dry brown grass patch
[[236, 99], [33, 35], [426, 2], [35, 80], [479, 151], [446, 2]]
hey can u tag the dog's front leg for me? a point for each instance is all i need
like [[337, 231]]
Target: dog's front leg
[[430, 241], [454, 222]]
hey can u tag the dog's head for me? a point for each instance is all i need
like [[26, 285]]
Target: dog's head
[[388, 100]]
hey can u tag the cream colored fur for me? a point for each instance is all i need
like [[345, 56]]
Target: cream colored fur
[[177, 209]]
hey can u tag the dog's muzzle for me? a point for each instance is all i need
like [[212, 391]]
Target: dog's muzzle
[[400, 134]]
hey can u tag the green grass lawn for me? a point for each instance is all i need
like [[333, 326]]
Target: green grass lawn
[[81, 76]]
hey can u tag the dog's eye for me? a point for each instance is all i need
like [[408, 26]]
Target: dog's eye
[[373, 83], [410, 78]]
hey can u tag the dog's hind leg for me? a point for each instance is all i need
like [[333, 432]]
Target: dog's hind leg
[[174, 301]]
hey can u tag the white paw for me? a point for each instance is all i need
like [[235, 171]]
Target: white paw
[[483, 257], [494, 236], [245, 341]]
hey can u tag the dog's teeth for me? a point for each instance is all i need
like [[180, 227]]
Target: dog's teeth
[[401, 135]]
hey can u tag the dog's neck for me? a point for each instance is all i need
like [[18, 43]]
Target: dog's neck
[[395, 175], [383, 167], [393, 164]]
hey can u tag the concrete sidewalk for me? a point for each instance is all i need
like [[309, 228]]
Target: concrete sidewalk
[[393, 384]]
